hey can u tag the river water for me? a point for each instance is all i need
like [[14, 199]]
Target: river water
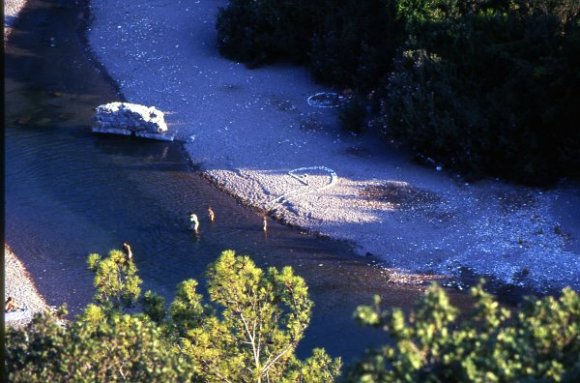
[[69, 193]]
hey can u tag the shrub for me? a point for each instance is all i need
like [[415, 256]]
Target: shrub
[[347, 44], [262, 31], [538, 343], [356, 43], [489, 87], [99, 346], [353, 114]]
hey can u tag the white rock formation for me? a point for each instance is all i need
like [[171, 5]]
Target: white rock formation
[[131, 119]]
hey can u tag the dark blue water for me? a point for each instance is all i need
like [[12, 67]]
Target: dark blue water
[[69, 193]]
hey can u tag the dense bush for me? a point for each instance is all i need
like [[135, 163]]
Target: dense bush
[[356, 43], [353, 114], [100, 346], [485, 86], [490, 87], [350, 43], [435, 343], [258, 32], [104, 344]]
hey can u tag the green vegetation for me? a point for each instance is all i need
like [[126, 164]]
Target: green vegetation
[[484, 86], [249, 330], [434, 343], [99, 346], [490, 87], [350, 43], [262, 317]]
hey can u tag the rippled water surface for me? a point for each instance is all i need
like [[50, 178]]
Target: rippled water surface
[[70, 193]]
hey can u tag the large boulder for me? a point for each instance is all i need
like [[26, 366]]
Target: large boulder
[[131, 119]]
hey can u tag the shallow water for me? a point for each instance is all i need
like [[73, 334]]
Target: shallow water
[[69, 193]]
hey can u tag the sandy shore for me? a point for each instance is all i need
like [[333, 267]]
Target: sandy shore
[[17, 282], [11, 10], [19, 285], [256, 136]]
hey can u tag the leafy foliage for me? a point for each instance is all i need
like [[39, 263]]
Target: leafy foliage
[[355, 43], [100, 346], [353, 114], [350, 44], [541, 342], [262, 318], [262, 31], [490, 87], [249, 331], [250, 338], [116, 280]]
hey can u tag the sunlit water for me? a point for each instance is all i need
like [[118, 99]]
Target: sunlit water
[[69, 193]]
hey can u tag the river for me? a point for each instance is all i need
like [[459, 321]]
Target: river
[[69, 193]]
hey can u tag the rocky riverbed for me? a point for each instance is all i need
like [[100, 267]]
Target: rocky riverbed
[[20, 287], [258, 138]]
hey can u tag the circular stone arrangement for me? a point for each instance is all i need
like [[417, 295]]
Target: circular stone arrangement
[[326, 100], [301, 175]]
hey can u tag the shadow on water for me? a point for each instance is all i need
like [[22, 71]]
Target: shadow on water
[[69, 193]]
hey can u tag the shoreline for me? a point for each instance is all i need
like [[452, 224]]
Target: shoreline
[[252, 132], [12, 9], [19, 285], [17, 281], [249, 129]]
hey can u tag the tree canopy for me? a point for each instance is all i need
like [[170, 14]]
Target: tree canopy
[[248, 329]]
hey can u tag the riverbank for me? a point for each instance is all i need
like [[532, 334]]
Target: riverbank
[[256, 137], [19, 285], [11, 10], [17, 282]]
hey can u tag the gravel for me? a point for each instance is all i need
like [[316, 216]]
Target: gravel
[[11, 10], [20, 286], [256, 136]]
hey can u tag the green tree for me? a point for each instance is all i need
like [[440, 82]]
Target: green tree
[[116, 280], [250, 337], [258, 32], [103, 344], [349, 43], [538, 343], [489, 86], [253, 334], [355, 43], [99, 346]]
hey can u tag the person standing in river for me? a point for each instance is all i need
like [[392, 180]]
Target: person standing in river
[[128, 251], [194, 222]]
